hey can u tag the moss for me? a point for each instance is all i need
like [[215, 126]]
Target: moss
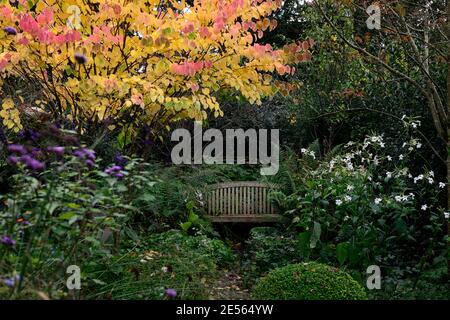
[[308, 281]]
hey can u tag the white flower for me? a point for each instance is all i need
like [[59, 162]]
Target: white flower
[[378, 200], [388, 175], [414, 125], [350, 187], [430, 180], [412, 195], [348, 198], [419, 177], [424, 207], [375, 161], [446, 215], [338, 202], [419, 145], [389, 158], [441, 185], [164, 269], [400, 157], [369, 178], [346, 218], [398, 198], [303, 150], [431, 173], [382, 144]]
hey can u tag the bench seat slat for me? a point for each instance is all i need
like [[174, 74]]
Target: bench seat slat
[[241, 201]]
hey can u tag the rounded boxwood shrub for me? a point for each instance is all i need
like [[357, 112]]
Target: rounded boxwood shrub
[[308, 281]]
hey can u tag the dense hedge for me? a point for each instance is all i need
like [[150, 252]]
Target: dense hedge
[[308, 281]]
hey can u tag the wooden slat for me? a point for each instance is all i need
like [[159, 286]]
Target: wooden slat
[[221, 201], [217, 202], [264, 200], [244, 184], [208, 203], [261, 197], [244, 203], [248, 218], [213, 194], [251, 200], [228, 204], [248, 198]]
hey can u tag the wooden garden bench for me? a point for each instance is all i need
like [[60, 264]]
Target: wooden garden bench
[[243, 201]]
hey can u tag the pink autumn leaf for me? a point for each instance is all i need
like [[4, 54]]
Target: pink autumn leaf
[[204, 32], [45, 17], [6, 12], [195, 87], [188, 28]]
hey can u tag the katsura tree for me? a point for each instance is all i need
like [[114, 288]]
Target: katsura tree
[[126, 63]]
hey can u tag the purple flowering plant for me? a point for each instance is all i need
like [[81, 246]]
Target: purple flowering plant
[[62, 196]]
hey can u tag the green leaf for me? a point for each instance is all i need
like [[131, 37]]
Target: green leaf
[[132, 234], [342, 252], [185, 226], [193, 217], [99, 282], [67, 215], [51, 207]]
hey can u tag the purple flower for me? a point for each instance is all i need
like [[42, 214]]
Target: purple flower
[[10, 30], [59, 151], [80, 58], [9, 282], [115, 171], [119, 175], [84, 153], [90, 154], [7, 241], [32, 163], [79, 153], [12, 160], [120, 160], [36, 165], [171, 293], [87, 155], [90, 163], [17, 148]]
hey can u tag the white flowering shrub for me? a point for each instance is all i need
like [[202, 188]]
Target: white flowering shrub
[[365, 206]]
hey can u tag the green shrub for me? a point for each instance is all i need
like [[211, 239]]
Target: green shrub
[[268, 248], [364, 206], [308, 281]]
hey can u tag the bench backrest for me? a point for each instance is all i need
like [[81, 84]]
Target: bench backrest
[[240, 198]]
